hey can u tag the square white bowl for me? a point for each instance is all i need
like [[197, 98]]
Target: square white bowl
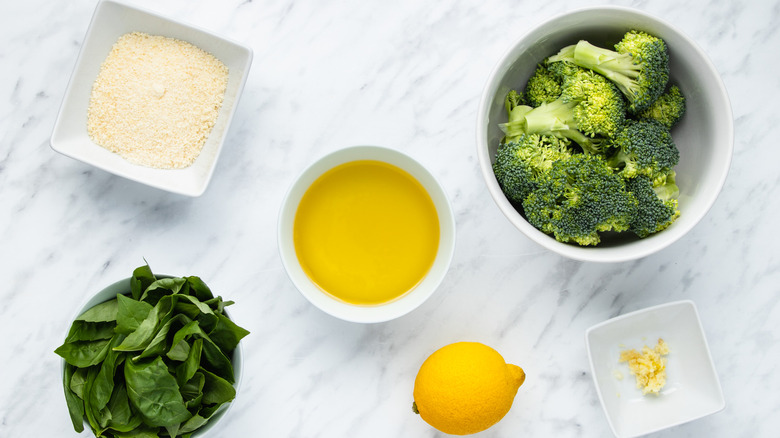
[[692, 387], [111, 20]]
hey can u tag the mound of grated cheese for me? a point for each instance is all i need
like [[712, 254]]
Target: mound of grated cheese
[[156, 100], [649, 366]]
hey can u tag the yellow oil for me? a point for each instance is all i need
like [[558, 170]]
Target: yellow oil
[[366, 232]]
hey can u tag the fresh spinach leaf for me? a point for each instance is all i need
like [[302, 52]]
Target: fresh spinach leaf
[[103, 385], [123, 419], [187, 369], [226, 334], [84, 353], [154, 394], [188, 309], [141, 279], [130, 314], [193, 424], [173, 430], [162, 287], [75, 404], [202, 307], [193, 389], [207, 321], [208, 411], [158, 345], [90, 331], [215, 360], [217, 390], [142, 431], [143, 335], [78, 381], [180, 349], [199, 289], [89, 409], [103, 312]]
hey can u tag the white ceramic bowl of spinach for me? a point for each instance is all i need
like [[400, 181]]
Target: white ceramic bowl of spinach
[[153, 354]]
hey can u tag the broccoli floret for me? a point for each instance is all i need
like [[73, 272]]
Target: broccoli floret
[[665, 186], [589, 108], [639, 66], [516, 107], [601, 108], [512, 100], [579, 198], [644, 147], [656, 206], [561, 68], [520, 163], [667, 109], [556, 118], [544, 86]]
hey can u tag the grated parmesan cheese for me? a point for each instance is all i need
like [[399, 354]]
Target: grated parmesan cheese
[[155, 100], [649, 366]]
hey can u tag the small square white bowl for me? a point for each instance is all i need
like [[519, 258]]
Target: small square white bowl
[[111, 20], [692, 387]]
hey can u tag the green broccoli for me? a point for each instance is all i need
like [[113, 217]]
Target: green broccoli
[[589, 108], [665, 185], [579, 198], [656, 206], [621, 178], [667, 109], [516, 107], [520, 163], [639, 66], [544, 86], [644, 147], [601, 108], [561, 68]]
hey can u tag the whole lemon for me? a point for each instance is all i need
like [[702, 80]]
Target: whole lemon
[[465, 388]]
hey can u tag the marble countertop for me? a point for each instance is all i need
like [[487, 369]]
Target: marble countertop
[[408, 75]]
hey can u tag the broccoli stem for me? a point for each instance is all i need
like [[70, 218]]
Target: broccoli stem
[[553, 116], [618, 67], [607, 60]]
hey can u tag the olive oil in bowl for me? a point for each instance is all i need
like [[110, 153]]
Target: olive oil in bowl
[[366, 232]]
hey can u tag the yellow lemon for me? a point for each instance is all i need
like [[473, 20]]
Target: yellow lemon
[[465, 388]]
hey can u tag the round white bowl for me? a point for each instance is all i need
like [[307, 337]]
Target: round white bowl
[[123, 287], [705, 135], [375, 313]]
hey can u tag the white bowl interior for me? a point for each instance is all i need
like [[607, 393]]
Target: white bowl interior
[[398, 307], [692, 388], [123, 287], [111, 20], [704, 136]]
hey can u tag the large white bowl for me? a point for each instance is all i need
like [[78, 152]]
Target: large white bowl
[[692, 387], [705, 135], [111, 20], [237, 359], [386, 311]]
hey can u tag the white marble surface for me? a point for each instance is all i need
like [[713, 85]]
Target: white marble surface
[[405, 74]]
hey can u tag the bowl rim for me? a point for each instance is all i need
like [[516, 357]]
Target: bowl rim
[[203, 178], [236, 359], [616, 253], [375, 313]]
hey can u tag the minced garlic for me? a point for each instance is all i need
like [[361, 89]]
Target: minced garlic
[[156, 100], [649, 366]]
